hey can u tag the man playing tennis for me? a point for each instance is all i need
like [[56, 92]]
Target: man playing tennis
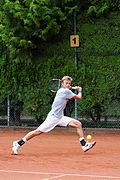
[[56, 117]]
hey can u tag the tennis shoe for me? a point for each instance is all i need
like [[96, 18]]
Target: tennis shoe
[[88, 146], [15, 148]]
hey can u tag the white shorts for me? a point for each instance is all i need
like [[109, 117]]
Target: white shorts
[[52, 121]]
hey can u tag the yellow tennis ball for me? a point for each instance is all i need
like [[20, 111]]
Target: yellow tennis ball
[[89, 137]]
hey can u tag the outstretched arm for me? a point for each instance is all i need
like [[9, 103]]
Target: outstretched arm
[[79, 95]]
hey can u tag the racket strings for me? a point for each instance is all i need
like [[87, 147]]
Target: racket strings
[[54, 85]]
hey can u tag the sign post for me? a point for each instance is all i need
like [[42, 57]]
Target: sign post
[[74, 42]]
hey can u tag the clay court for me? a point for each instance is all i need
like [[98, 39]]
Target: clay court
[[58, 155]]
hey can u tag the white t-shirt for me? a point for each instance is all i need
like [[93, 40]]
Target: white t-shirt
[[60, 101]]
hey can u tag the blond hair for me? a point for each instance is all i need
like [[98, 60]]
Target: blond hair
[[66, 78]]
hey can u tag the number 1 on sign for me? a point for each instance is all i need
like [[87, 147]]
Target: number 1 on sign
[[74, 41]]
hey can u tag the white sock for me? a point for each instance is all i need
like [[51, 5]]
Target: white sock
[[24, 139], [81, 138]]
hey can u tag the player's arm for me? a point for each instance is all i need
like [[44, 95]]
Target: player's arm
[[79, 95]]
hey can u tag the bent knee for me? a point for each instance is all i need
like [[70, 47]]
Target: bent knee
[[79, 124], [75, 123]]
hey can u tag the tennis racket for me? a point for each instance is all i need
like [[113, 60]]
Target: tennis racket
[[55, 84]]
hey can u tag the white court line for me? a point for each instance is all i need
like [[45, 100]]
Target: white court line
[[54, 177], [60, 174]]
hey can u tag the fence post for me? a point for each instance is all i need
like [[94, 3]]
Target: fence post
[[8, 100], [8, 112]]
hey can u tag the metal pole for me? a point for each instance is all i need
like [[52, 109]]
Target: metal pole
[[8, 113], [76, 113], [8, 101]]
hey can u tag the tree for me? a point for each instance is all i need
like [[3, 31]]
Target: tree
[[38, 31], [100, 58], [23, 25], [103, 7]]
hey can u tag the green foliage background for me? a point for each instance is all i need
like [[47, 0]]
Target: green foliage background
[[34, 47]]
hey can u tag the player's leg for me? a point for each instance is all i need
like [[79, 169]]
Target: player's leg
[[46, 126], [32, 134], [27, 137], [70, 122], [78, 125]]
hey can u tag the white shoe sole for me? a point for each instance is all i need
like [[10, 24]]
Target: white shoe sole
[[93, 144]]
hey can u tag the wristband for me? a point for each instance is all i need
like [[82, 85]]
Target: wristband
[[79, 91]]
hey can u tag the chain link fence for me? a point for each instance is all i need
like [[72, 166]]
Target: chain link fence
[[13, 115]]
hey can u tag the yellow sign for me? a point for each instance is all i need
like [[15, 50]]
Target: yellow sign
[[74, 41]]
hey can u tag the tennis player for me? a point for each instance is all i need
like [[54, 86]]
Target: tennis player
[[56, 117]]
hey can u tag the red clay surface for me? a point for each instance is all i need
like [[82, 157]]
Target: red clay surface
[[58, 155]]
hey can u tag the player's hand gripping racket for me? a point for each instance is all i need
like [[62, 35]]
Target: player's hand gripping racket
[[55, 84]]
